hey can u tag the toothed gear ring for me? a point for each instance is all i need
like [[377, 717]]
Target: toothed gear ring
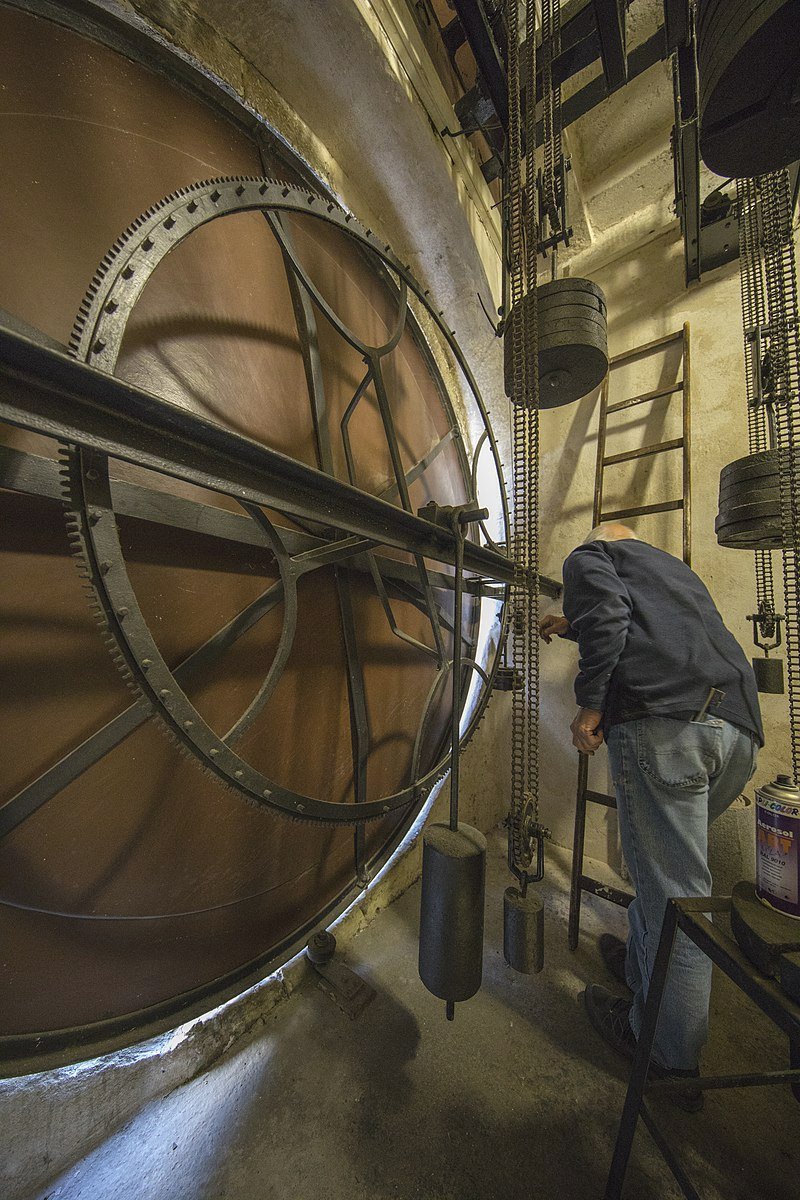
[[92, 526]]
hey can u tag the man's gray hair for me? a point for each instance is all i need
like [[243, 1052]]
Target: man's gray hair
[[610, 531]]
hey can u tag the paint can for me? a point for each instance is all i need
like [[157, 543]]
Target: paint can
[[778, 846]]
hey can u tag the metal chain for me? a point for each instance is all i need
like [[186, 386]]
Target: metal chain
[[522, 226], [780, 274], [551, 110], [754, 320]]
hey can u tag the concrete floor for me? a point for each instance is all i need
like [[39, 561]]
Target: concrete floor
[[515, 1100]]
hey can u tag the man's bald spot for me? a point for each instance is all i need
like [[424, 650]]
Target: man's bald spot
[[611, 531]]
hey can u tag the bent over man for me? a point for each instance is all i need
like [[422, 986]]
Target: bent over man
[[669, 689]]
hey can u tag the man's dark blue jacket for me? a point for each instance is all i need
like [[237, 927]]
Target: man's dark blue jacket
[[650, 638]]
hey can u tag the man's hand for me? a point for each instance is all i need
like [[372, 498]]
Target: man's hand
[[586, 733], [552, 625]]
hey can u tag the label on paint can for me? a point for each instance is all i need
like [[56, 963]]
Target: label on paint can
[[778, 846]]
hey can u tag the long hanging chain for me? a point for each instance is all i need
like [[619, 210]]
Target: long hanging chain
[[754, 319], [780, 274], [551, 112], [522, 240]]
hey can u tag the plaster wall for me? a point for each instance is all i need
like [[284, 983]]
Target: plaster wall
[[647, 299]]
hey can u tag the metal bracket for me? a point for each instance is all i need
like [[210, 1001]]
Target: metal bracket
[[348, 991]]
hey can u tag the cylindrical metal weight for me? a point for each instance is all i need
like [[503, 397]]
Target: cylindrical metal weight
[[451, 911], [749, 516], [523, 930], [769, 675], [748, 63], [572, 341]]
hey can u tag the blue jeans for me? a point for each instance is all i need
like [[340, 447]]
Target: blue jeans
[[672, 779]]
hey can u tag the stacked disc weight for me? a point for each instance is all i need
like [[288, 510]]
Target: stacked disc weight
[[573, 341], [748, 62], [750, 503]]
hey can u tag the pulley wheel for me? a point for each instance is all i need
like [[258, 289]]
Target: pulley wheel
[[572, 341], [749, 515], [748, 62]]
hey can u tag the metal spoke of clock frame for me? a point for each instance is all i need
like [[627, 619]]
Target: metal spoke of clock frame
[[291, 569], [433, 692], [89, 752], [372, 356], [400, 479], [482, 440], [305, 321], [335, 320]]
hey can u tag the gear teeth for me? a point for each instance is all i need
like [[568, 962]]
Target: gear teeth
[[72, 487]]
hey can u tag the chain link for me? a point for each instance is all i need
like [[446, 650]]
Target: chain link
[[780, 275], [522, 234], [754, 319], [551, 111]]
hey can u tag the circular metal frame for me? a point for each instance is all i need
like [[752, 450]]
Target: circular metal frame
[[97, 338]]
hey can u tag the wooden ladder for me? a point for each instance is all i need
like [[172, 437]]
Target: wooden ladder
[[579, 882]]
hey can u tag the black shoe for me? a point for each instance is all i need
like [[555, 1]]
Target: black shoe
[[610, 1017], [613, 953]]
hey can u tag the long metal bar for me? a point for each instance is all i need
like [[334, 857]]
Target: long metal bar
[[597, 506], [606, 891], [766, 994], [35, 475], [641, 1063], [643, 451], [82, 757], [646, 397], [718, 1082], [643, 510], [53, 394], [610, 16], [687, 450], [601, 798], [681, 1178], [577, 852], [482, 43], [646, 347]]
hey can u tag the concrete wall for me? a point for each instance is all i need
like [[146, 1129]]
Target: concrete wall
[[647, 299]]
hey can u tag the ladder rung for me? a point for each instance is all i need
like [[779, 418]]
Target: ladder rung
[[645, 397], [639, 350], [643, 451], [600, 798], [643, 511], [606, 891]]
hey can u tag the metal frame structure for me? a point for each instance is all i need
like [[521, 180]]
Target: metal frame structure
[[689, 917]]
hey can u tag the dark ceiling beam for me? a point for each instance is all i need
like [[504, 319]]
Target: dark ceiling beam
[[610, 16], [596, 91], [676, 23], [481, 40]]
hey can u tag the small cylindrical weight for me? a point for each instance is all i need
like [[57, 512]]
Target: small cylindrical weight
[[523, 930], [451, 912], [769, 675]]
